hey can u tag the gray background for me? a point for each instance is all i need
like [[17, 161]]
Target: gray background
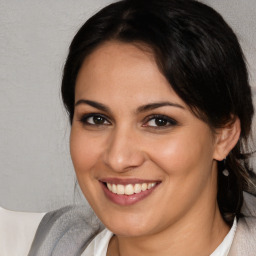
[[36, 172]]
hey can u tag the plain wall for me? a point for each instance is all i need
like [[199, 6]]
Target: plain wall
[[36, 172]]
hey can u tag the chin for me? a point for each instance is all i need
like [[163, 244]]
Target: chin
[[129, 225], [129, 230]]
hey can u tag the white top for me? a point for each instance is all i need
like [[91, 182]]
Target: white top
[[17, 230]]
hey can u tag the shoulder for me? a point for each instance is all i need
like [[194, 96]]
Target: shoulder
[[244, 242], [17, 230], [66, 231]]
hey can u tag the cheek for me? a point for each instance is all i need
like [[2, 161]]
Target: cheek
[[182, 153], [85, 155], [84, 151]]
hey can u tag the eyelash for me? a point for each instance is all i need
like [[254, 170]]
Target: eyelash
[[167, 121], [84, 119]]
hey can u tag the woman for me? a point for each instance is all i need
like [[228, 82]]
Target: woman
[[160, 108]]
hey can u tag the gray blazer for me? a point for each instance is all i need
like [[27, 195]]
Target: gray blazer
[[244, 243], [68, 231]]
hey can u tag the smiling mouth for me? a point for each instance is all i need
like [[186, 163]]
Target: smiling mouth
[[125, 192], [130, 189]]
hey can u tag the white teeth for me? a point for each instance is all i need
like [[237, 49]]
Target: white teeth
[[129, 189], [144, 186], [120, 189], [137, 188], [114, 190], [109, 186]]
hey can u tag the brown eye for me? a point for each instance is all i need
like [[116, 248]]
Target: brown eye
[[98, 120], [158, 121], [161, 122], [94, 119]]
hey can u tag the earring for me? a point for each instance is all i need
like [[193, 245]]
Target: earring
[[225, 172]]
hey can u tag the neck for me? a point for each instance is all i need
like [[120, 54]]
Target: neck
[[196, 235]]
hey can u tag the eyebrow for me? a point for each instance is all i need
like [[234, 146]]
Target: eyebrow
[[155, 105], [140, 109], [94, 104]]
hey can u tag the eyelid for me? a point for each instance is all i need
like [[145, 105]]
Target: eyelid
[[83, 119], [171, 121]]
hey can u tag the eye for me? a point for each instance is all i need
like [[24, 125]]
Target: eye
[[159, 121], [94, 119]]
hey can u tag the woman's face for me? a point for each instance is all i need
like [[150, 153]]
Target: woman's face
[[143, 160]]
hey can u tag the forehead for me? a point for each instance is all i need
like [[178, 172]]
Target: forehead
[[117, 60], [123, 70]]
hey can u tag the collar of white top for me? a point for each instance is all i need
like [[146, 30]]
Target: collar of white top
[[224, 247], [99, 245]]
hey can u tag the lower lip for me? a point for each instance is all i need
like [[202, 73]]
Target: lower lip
[[127, 199]]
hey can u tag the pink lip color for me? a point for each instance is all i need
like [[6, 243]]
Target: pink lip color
[[126, 200]]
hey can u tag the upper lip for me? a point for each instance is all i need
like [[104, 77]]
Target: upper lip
[[127, 181]]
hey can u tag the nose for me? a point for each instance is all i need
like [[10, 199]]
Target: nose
[[124, 150]]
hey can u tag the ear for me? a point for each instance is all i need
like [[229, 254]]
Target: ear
[[226, 139]]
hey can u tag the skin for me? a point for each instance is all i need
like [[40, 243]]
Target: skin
[[181, 155]]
